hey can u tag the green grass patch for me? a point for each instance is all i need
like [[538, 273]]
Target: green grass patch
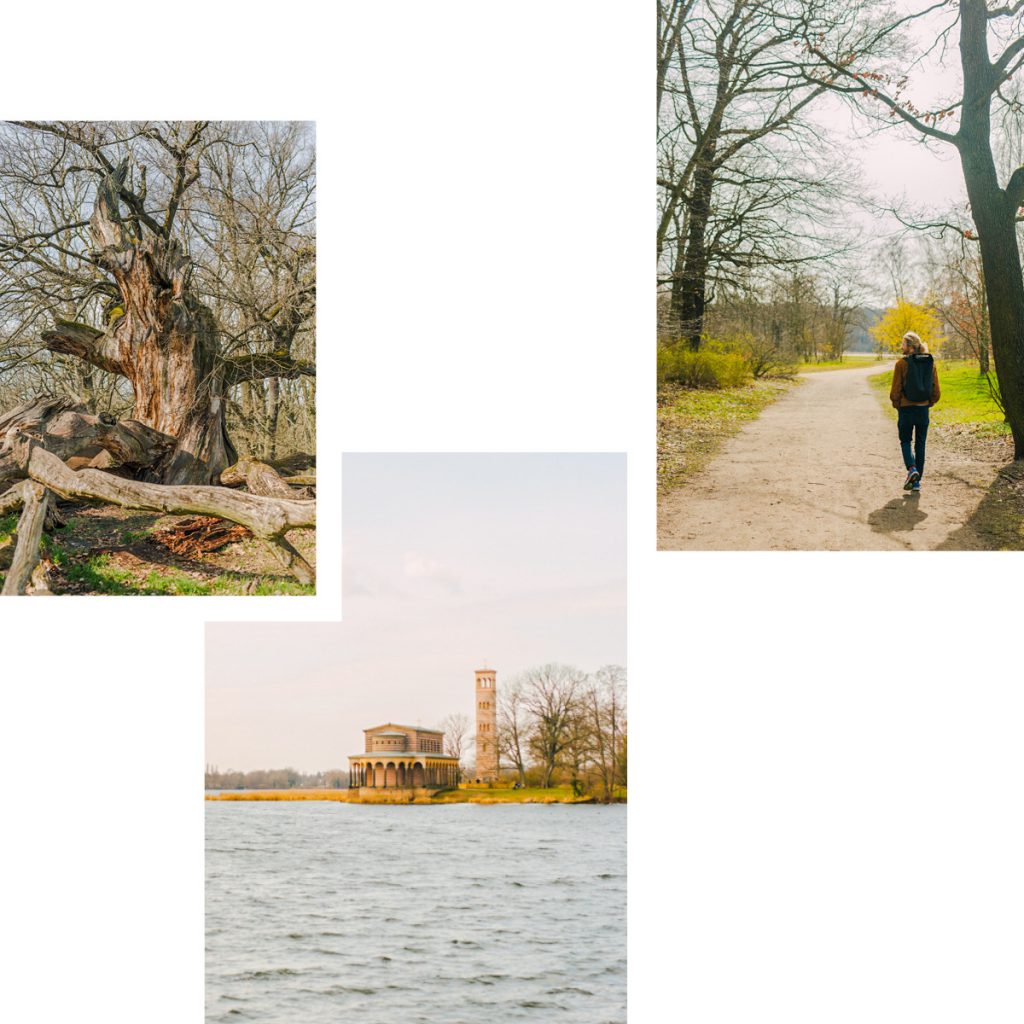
[[8, 524], [848, 363], [101, 575], [693, 424], [965, 401]]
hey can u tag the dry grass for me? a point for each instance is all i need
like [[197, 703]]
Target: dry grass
[[556, 795], [340, 795], [693, 424], [535, 795]]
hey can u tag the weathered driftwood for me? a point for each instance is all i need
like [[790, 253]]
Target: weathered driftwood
[[65, 428], [35, 499], [268, 518], [265, 517], [258, 477]]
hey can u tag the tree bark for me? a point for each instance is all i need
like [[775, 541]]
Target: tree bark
[[35, 500], [690, 285], [64, 427], [258, 477], [161, 338], [994, 211]]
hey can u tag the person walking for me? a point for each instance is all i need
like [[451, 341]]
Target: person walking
[[915, 389]]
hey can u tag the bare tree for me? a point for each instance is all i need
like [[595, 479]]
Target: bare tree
[[160, 269], [605, 706], [990, 40], [514, 726], [740, 168], [549, 698], [958, 286], [177, 257], [457, 730]]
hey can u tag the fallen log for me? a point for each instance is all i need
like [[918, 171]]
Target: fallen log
[[268, 518], [38, 436], [35, 500], [258, 478], [64, 427]]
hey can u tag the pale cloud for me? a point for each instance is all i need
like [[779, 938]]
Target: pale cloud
[[419, 568]]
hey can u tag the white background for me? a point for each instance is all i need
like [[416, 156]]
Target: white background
[[826, 775]]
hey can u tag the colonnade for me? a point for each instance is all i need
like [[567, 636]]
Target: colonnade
[[420, 773]]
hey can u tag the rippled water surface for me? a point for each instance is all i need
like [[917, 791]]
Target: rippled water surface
[[459, 914]]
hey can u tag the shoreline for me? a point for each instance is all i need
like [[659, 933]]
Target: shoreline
[[558, 795]]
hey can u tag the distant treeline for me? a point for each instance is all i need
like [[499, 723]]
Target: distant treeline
[[275, 778]]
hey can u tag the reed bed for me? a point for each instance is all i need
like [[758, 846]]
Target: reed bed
[[282, 794]]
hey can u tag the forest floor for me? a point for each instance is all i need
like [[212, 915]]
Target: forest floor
[[820, 469], [110, 550]]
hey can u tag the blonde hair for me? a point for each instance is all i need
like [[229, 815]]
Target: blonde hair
[[915, 342]]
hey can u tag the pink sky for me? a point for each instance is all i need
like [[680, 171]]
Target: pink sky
[[451, 562]]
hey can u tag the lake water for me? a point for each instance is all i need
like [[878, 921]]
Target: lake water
[[462, 914]]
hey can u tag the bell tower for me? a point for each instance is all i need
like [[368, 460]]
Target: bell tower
[[486, 726]]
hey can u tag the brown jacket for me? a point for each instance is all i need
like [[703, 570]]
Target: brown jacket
[[899, 375]]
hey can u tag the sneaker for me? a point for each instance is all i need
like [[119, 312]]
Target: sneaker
[[916, 486], [912, 477]]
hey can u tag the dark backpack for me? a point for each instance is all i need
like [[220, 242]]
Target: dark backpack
[[917, 385]]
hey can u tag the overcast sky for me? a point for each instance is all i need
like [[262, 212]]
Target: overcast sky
[[898, 167], [451, 563]]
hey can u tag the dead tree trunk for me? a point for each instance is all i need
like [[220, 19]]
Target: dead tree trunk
[[160, 337], [35, 500]]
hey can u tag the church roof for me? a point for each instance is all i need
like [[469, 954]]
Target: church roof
[[409, 728], [386, 755]]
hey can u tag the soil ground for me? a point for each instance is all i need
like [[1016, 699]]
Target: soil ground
[[109, 550], [821, 469]]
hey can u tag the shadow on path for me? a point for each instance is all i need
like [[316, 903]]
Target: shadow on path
[[899, 515], [997, 524]]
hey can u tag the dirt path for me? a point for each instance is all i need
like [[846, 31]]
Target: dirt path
[[821, 470]]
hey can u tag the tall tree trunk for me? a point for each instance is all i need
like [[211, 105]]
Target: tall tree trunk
[[165, 343], [690, 283], [983, 334], [994, 211]]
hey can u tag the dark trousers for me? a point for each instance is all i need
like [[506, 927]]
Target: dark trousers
[[913, 424]]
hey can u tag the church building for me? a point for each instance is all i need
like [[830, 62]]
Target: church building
[[403, 757]]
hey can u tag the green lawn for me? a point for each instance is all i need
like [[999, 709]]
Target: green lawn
[[102, 576], [693, 424], [851, 362], [966, 398]]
